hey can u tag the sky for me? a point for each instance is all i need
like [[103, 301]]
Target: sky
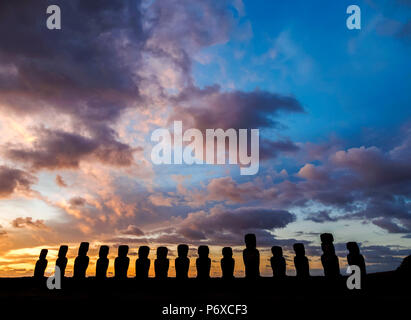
[[78, 106]]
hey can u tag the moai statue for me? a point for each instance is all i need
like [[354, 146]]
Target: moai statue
[[41, 264], [121, 263], [301, 264], [329, 259], [102, 263], [327, 238], [203, 263], [143, 263], [61, 261], [278, 262], [404, 270], [182, 262], [355, 258], [161, 264], [227, 263], [81, 261], [251, 257]]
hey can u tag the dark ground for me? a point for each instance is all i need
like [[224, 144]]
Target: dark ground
[[265, 298]]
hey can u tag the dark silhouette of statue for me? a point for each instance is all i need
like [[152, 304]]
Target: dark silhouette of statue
[[251, 257], [182, 262], [327, 238], [227, 263], [143, 263], [102, 262], [161, 264], [355, 258], [121, 263], [81, 261], [41, 264], [301, 264], [203, 263], [278, 262], [404, 270], [329, 259], [61, 261]]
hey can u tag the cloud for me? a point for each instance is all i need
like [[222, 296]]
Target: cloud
[[59, 150], [389, 225], [112, 210], [288, 58], [212, 108], [109, 58], [363, 183], [372, 166], [222, 226], [60, 181], [13, 180], [389, 24], [226, 189], [2, 232], [77, 202], [159, 200], [320, 217], [311, 172], [383, 258], [271, 149], [139, 52], [220, 221], [28, 222], [59, 72], [132, 230], [51, 75]]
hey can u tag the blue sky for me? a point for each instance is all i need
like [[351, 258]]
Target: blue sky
[[347, 80]]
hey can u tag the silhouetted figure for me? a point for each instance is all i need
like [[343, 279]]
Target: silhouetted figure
[[41, 264], [161, 264], [227, 263], [121, 263], [278, 262], [142, 263], [182, 262], [326, 238], [102, 262], [329, 259], [355, 257], [61, 261], [203, 263], [301, 264], [81, 261], [404, 270], [251, 257]]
